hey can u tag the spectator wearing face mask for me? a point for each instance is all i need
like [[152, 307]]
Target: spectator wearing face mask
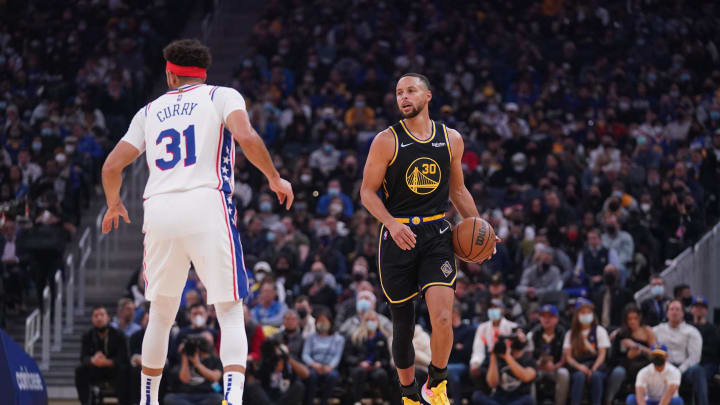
[[710, 333], [197, 379], [367, 354], [541, 278], [325, 159], [463, 335], [322, 352], [198, 316], [654, 308], [304, 311], [594, 258], [486, 335], [364, 302], [291, 334], [265, 213], [684, 344], [335, 202], [318, 286], [657, 383], [681, 292], [359, 114], [585, 346], [611, 298], [620, 241]]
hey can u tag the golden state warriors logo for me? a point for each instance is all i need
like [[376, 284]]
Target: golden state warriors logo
[[423, 176]]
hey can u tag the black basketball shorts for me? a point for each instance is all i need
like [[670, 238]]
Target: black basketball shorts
[[407, 273]]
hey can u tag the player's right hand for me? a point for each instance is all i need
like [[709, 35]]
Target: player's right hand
[[283, 189], [112, 217], [402, 235]]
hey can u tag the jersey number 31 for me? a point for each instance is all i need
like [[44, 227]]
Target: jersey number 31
[[173, 148]]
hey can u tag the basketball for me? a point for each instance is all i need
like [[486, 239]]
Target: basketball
[[473, 240]]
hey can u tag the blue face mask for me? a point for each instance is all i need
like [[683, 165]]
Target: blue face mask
[[585, 319], [494, 314], [333, 191], [657, 290], [362, 305], [46, 131], [265, 206], [270, 236], [328, 148]]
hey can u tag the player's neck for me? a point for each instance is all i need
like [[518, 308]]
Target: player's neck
[[187, 83], [419, 125]]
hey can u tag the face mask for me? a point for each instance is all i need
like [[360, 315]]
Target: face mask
[[259, 276], [46, 132], [651, 77], [302, 313], [362, 305], [685, 77], [333, 191], [518, 168], [37, 146], [301, 206], [101, 329], [674, 94], [371, 325], [336, 209], [494, 314], [265, 206], [586, 319], [328, 148], [658, 361], [715, 115], [305, 178], [657, 290], [323, 327], [645, 207], [199, 321], [609, 279], [359, 104], [69, 149], [611, 229], [270, 236], [572, 236], [358, 277]]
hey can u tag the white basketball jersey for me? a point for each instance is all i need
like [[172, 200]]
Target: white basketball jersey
[[185, 141]]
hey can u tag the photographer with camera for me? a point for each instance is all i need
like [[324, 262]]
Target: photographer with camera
[[510, 373], [197, 378], [545, 343], [278, 376]]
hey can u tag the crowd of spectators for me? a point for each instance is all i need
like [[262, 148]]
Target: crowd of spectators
[[72, 73], [592, 134]]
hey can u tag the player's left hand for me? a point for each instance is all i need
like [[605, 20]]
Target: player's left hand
[[283, 189], [112, 217]]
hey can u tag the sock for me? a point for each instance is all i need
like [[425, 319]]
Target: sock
[[234, 382], [410, 391], [149, 387], [436, 375]]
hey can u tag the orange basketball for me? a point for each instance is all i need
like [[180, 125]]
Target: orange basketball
[[473, 240]]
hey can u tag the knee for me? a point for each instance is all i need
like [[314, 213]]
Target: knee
[[677, 401], [563, 374], [441, 319], [619, 373]]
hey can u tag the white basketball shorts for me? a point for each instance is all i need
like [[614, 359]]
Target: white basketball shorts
[[197, 226]]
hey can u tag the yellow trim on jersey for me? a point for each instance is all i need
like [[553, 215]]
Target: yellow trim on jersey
[[407, 131], [419, 220], [396, 146], [447, 141], [380, 238], [440, 283]]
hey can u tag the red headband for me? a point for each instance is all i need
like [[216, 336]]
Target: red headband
[[188, 71]]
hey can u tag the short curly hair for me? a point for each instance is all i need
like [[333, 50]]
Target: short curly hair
[[188, 52]]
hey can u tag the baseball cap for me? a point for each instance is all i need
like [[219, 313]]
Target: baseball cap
[[659, 349], [549, 309], [581, 302], [700, 300], [497, 278], [262, 266]]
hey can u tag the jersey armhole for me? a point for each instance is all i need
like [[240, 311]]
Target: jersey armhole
[[447, 141], [395, 153]]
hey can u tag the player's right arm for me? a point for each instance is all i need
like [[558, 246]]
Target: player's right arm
[[380, 155], [238, 122]]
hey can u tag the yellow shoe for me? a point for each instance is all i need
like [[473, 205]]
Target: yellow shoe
[[224, 402], [408, 401], [435, 395]]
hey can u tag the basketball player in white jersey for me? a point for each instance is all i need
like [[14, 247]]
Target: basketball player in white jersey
[[187, 136]]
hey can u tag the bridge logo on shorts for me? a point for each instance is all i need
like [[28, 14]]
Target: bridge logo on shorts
[[423, 176], [446, 268]]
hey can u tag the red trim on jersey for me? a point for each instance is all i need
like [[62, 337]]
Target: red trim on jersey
[[180, 90], [232, 246], [217, 160], [187, 71]]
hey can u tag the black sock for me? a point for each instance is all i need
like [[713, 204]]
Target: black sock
[[436, 375], [410, 391]]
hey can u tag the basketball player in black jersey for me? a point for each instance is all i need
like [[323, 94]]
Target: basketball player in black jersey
[[416, 165]]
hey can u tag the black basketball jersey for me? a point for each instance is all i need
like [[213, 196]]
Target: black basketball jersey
[[417, 180]]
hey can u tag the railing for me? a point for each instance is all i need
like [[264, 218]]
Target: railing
[[70, 293], [32, 331], [696, 266], [57, 326], [45, 362]]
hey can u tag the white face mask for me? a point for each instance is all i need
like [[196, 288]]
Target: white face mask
[[371, 325], [586, 319], [199, 321]]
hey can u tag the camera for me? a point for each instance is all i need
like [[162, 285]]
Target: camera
[[194, 343], [501, 344]]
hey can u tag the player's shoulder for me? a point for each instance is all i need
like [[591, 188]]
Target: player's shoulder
[[452, 133], [222, 91]]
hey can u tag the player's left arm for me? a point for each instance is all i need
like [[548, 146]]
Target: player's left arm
[[121, 156], [459, 194]]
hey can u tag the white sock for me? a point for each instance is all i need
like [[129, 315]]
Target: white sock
[[149, 387], [233, 382]]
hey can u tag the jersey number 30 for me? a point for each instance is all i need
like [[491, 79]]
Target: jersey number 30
[[173, 148]]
